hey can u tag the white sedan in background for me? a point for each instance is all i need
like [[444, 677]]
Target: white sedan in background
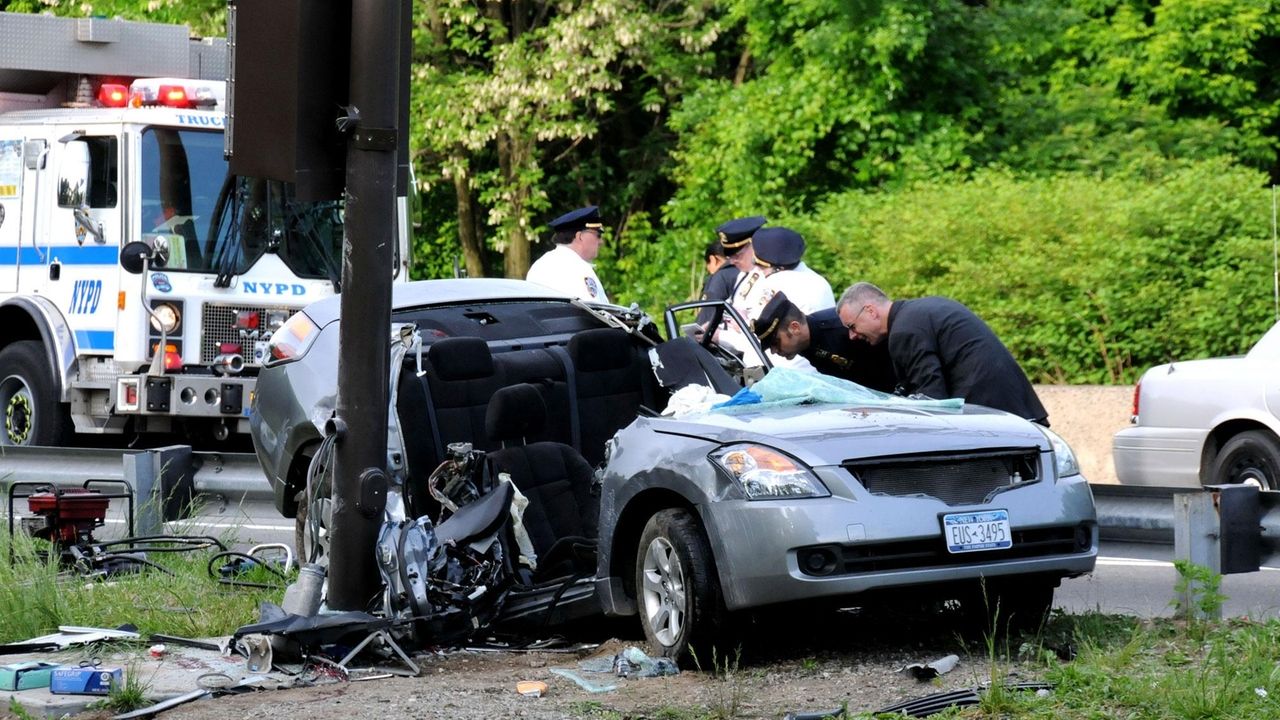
[[1206, 422]]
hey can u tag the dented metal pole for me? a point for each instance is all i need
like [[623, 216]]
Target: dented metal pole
[[364, 348], [1195, 539]]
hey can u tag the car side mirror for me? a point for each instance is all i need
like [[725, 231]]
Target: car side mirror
[[134, 257]]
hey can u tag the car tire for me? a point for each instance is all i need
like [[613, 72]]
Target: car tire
[[1249, 457], [677, 589], [28, 398]]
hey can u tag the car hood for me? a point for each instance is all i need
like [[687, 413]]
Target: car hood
[[826, 434]]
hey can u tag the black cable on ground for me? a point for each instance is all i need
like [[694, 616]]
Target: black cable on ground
[[243, 583]]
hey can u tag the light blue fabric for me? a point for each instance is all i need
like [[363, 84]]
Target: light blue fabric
[[783, 387]]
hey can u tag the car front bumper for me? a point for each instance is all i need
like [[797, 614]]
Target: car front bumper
[[878, 542]]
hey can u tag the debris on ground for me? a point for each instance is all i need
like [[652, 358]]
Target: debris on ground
[[929, 671]]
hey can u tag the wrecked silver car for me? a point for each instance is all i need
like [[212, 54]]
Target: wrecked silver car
[[539, 479]]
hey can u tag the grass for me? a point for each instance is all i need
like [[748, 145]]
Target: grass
[[36, 595]]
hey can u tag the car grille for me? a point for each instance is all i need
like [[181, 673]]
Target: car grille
[[218, 323], [932, 552], [953, 479]]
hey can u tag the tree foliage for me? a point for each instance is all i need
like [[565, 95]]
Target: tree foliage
[[1087, 174]]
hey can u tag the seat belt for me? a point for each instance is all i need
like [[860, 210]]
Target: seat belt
[[571, 384], [431, 418]]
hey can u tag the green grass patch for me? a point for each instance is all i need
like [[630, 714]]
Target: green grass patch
[[36, 595]]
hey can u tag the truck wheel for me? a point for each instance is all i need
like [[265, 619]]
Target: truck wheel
[[1252, 457], [28, 400], [678, 592]]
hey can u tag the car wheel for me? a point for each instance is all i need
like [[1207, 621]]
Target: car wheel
[[677, 590], [28, 398], [1252, 457], [314, 519]]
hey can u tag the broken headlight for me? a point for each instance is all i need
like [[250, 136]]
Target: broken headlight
[[766, 474], [1064, 459]]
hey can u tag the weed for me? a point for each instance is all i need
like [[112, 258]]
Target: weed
[[809, 664], [594, 709], [730, 687], [17, 710], [1199, 595], [129, 695]]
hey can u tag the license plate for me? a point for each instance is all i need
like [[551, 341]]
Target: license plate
[[972, 532]]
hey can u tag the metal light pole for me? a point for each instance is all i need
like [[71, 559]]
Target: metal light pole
[[363, 362]]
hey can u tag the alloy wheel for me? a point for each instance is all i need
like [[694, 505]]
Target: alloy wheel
[[663, 594]]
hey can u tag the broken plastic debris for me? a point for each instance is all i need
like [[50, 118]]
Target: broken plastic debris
[[1261, 691], [583, 682], [531, 688], [941, 666]]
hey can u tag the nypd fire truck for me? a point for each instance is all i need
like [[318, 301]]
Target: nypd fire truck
[[139, 282]]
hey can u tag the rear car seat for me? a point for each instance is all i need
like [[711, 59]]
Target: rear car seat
[[563, 512]]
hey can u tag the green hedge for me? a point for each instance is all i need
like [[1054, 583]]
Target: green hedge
[[1086, 280]]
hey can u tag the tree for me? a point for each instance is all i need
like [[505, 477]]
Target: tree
[[498, 88]]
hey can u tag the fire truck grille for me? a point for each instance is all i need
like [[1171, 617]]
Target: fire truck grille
[[218, 322]]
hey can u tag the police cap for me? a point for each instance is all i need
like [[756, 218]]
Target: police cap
[[585, 218], [735, 234], [772, 318], [778, 246]]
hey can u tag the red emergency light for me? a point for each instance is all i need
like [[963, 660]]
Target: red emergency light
[[174, 96], [113, 95]]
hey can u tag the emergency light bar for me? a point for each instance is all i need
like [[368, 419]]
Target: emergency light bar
[[177, 93]]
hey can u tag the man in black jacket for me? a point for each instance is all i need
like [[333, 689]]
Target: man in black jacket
[[821, 339], [940, 348]]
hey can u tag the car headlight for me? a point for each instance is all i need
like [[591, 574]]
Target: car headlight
[[766, 474], [1064, 459], [292, 340]]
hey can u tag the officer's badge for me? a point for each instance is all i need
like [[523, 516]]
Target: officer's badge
[[592, 287], [723, 238]]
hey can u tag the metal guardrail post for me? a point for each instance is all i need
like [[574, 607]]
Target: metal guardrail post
[[1195, 539], [162, 481]]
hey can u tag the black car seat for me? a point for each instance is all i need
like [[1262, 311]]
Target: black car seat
[[682, 361], [610, 375], [563, 512]]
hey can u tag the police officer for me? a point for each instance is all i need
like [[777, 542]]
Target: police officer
[[567, 266], [734, 237], [940, 348], [779, 255], [822, 339]]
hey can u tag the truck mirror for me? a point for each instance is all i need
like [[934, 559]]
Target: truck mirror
[[134, 257], [73, 175]]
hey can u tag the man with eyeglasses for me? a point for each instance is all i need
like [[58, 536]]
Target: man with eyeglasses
[[567, 266], [941, 349], [820, 338]]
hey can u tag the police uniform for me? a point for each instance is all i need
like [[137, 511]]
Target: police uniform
[[563, 269], [780, 250], [733, 236], [830, 351]]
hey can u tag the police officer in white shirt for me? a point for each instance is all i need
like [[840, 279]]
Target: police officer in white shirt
[[778, 253], [567, 267]]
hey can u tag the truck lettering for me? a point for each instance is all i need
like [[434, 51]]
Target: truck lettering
[[214, 121], [85, 296], [265, 288]]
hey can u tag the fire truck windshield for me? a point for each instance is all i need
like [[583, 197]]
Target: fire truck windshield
[[213, 225]]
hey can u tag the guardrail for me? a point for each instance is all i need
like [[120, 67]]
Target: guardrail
[[1125, 512], [174, 474]]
